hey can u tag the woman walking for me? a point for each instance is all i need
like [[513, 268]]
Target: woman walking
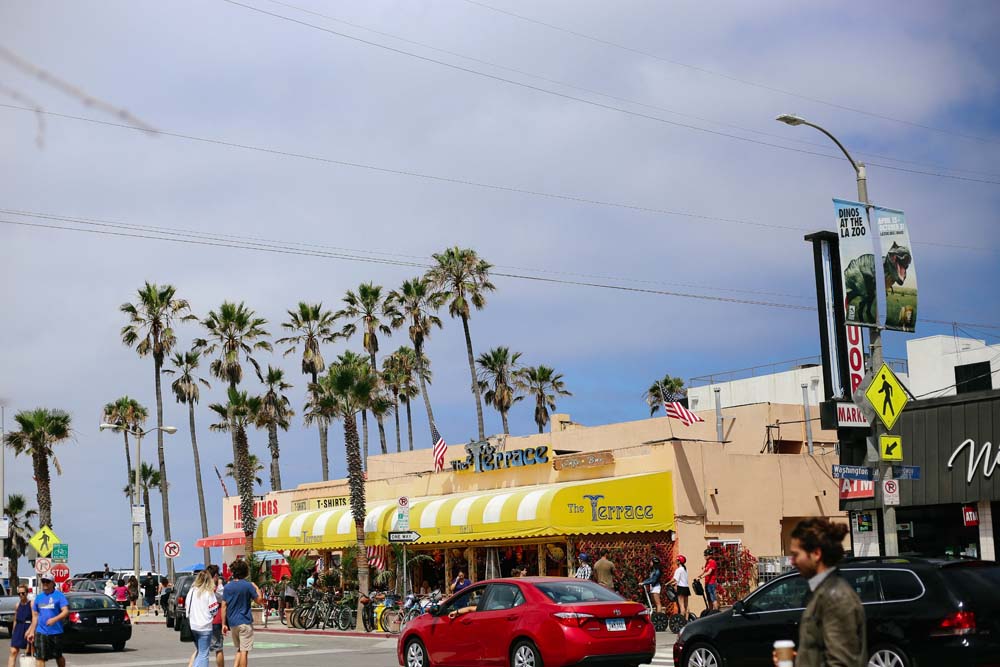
[[680, 579], [133, 594], [121, 594], [201, 606], [22, 620]]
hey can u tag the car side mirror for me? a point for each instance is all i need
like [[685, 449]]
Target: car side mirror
[[739, 608]]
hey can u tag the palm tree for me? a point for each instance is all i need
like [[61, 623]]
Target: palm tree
[[237, 414], [545, 385], [464, 279], [40, 430], [275, 412], [19, 516], [148, 477], [372, 402], [150, 330], [311, 326], [348, 386], [127, 414], [187, 389], [404, 369], [665, 390], [256, 467], [498, 379], [416, 301]]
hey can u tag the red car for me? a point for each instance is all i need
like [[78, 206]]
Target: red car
[[530, 622]]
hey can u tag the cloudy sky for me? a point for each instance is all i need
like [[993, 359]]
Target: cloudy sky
[[561, 139]]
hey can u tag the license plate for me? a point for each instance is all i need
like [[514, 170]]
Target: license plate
[[615, 624], [103, 619]]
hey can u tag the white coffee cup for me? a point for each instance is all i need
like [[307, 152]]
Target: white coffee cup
[[784, 649]]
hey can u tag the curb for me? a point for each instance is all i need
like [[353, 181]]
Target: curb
[[323, 633]]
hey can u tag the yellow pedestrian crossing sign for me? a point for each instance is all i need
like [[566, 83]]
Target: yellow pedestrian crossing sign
[[891, 447], [44, 541], [887, 396]]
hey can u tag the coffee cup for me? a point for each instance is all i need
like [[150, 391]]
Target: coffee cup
[[784, 651]]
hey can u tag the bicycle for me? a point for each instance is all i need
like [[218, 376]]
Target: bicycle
[[391, 619], [347, 613], [659, 620], [368, 619]]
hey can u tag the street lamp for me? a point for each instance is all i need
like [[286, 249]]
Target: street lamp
[[875, 333], [138, 433]]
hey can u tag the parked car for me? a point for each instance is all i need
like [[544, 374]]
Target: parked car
[[175, 601], [530, 621], [918, 612], [96, 619], [88, 585]]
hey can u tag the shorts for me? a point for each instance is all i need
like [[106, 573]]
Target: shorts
[[216, 645], [655, 589], [243, 638], [289, 600], [710, 592], [684, 590], [149, 600], [48, 647]]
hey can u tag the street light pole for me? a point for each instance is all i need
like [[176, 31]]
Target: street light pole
[[874, 338]]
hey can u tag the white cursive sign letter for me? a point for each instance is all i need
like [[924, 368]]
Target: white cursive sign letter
[[974, 459]]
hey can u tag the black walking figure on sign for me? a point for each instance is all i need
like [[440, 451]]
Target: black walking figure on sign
[[886, 389]]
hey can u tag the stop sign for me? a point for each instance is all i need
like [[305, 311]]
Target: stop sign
[[60, 572]]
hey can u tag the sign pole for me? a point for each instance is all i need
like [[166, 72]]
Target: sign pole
[[136, 532], [404, 572]]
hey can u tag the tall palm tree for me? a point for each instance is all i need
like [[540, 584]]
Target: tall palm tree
[[187, 390], [391, 380], [544, 385], [498, 379], [237, 414], [665, 390], [464, 279], [370, 403], [127, 414], [150, 330], [371, 312], [40, 430], [256, 468], [417, 301], [275, 412], [148, 477], [404, 364], [19, 515], [310, 326]]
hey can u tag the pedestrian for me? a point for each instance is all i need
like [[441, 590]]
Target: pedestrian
[[461, 582], [237, 596], [121, 594], [711, 575], [47, 613], [288, 595], [109, 588], [311, 580], [149, 591], [200, 606], [133, 593], [653, 581], [584, 571], [680, 579], [22, 621], [604, 571], [832, 629], [107, 571]]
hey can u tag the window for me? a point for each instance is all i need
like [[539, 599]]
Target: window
[[577, 591], [783, 594], [864, 583], [900, 585], [973, 377], [502, 596], [78, 602], [470, 597]]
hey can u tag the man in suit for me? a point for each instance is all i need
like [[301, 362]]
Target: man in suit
[[832, 629]]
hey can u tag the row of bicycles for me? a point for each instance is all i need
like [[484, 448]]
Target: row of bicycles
[[380, 610]]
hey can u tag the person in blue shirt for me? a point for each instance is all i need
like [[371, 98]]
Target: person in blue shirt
[[236, 598], [653, 581], [48, 611], [461, 582]]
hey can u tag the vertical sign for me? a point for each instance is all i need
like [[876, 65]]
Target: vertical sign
[[970, 516], [402, 513], [857, 263], [896, 265]]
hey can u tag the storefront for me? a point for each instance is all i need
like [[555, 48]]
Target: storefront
[[953, 509]]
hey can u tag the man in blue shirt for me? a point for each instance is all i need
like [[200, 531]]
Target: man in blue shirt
[[48, 611], [236, 599]]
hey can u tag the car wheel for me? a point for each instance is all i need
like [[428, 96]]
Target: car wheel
[[888, 656], [703, 655], [416, 654], [118, 646], [525, 654]]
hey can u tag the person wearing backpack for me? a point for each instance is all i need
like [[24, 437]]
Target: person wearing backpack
[[680, 579], [653, 581]]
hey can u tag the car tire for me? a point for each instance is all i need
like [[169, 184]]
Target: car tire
[[118, 646], [887, 655], [415, 654], [702, 655], [525, 654]]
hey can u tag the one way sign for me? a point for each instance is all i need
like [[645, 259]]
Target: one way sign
[[891, 447], [403, 536]]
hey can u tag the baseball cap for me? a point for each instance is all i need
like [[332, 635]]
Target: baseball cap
[[47, 577]]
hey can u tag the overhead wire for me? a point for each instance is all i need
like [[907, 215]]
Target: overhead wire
[[966, 381]]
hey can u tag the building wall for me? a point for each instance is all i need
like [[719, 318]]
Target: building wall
[[784, 387], [932, 361]]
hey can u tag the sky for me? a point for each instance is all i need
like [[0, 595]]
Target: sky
[[628, 144]]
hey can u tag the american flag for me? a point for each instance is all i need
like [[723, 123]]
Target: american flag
[[440, 449], [377, 556], [677, 411]]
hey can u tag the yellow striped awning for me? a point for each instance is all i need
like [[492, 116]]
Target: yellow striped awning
[[319, 529]]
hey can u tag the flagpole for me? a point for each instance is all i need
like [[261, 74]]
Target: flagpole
[[664, 399]]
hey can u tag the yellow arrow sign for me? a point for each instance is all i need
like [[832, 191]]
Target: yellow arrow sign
[[887, 396], [44, 541], [891, 447]]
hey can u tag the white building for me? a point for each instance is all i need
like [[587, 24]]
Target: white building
[[947, 365]]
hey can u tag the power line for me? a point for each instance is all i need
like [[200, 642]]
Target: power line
[[600, 105], [627, 100], [729, 77], [966, 381]]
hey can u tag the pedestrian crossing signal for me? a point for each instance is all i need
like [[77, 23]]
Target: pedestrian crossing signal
[[887, 396]]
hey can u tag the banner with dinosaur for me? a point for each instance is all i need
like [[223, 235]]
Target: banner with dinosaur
[[897, 268], [857, 263]]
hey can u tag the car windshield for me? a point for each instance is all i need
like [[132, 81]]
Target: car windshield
[[573, 592], [80, 602]]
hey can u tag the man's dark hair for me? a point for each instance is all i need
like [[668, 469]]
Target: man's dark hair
[[240, 569], [213, 569], [604, 553], [824, 535]]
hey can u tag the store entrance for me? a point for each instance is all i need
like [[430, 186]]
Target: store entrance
[[936, 531]]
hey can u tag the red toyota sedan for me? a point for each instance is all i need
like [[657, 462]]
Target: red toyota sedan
[[530, 622]]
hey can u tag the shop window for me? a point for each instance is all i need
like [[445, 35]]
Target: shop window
[[864, 583], [517, 558], [900, 585], [555, 560]]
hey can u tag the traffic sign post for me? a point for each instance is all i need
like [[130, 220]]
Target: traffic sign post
[[44, 541], [403, 528], [887, 396], [4, 567], [890, 492], [60, 573], [42, 566], [403, 536], [60, 552], [172, 549], [891, 447]]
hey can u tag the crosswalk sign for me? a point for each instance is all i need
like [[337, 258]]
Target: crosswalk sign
[[44, 541], [887, 396], [891, 447]]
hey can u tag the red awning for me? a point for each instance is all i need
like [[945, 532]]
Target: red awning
[[223, 540]]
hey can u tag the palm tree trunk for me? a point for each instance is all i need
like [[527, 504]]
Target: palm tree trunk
[[540, 414], [324, 457], [40, 462], [357, 488], [272, 444], [395, 412], [475, 381], [128, 468], [164, 497], [378, 417], [423, 391], [197, 479], [149, 528], [244, 483], [503, 418], [364, 435], [409, 424]]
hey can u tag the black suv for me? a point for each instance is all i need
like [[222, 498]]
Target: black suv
[[919, 613], [175, 601]]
